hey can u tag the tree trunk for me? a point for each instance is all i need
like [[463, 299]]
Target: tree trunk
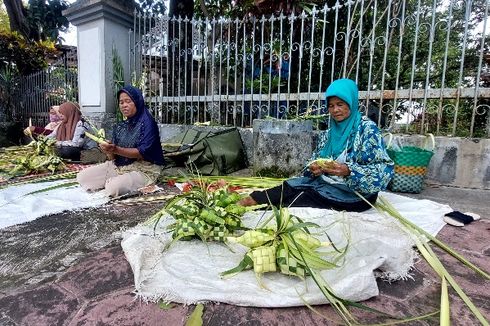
[[16, 12]]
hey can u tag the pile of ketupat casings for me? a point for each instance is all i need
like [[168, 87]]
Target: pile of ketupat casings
[[209, 211], [287, 260], [205, 211], [36, 157], [286, 246]]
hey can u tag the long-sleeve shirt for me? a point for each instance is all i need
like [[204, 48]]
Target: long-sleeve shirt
[[79, 139], [371, 167]]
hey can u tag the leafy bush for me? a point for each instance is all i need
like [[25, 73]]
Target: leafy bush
[[27, 57]]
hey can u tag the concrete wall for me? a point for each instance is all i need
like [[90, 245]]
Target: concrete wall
[[286, 146]]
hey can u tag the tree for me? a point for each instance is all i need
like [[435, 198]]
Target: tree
[[17, 16], [150, 6], [40, 20]]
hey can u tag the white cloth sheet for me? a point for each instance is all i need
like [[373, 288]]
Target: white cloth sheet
[[17, 207], [189, 271]]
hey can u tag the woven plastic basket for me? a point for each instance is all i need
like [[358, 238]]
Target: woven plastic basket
[[410, 167]]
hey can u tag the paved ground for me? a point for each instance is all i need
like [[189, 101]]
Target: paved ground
[[69, 269]]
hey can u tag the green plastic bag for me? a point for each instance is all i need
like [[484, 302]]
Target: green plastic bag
[[212, 152]]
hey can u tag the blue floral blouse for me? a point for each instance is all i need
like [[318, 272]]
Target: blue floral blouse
[[371, 167]]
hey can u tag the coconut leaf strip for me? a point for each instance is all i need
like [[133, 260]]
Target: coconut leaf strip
[[386, 206], [61, 185], [195, 319]]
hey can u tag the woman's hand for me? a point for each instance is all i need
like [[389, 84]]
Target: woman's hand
[[111, 149], [107, 148], [339, 169], [29, 130], [315, 169]]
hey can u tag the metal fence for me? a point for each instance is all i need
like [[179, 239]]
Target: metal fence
[[421, 66], [36, 93]]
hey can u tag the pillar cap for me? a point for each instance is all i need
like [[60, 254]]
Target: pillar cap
[[84, 11]]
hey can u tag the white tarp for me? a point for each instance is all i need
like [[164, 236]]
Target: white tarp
[[189, 271], [17, 206]]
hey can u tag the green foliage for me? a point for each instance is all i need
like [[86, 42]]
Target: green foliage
[[7, 84], [151, 6], [46, 20], [257, 8], [141, 81], [26, 56], [117, 79], [261, 84], [59, 89]]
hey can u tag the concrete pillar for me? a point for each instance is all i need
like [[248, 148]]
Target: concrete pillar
[[101, 24], [281, 147]]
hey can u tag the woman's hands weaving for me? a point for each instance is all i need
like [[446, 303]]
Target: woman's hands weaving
[[339, 169], [107, 148]]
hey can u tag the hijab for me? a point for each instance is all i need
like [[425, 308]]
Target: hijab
[[339, 132], [72, 114], [147, 141]]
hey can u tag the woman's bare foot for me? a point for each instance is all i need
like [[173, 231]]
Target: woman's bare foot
[[247, 201]]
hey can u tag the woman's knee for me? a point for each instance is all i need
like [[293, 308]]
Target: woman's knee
[[94, 177], [125, 183]]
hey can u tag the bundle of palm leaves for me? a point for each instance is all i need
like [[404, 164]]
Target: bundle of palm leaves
[[204, 211], [287, 247], [36, 157]]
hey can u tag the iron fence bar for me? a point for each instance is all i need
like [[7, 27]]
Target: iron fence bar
[[397, 81], [235, 106], [371, 48], [313, 16], [206, 55], [261, 71], [461, 67], [228, 54], [428, 65], [385, 55], [478, 73], [414, 57], [291, 29], [444, 67], [279, 69], [252, 71], [300, 60], [271, 59], [334, 40], [346, 40], [322, 51]]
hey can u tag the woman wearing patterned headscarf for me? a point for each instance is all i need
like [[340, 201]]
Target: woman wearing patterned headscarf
[[135, 152], [70, 134], [360, 162]]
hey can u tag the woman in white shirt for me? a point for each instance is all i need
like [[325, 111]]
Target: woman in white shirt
[[70, 135]]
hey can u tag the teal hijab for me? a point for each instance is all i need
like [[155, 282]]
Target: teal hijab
[[339, 132]]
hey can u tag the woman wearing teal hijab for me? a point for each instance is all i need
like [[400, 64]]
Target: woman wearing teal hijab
[[361, 163]]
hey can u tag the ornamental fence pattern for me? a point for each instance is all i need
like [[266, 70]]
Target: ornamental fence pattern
[[421, 66]]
